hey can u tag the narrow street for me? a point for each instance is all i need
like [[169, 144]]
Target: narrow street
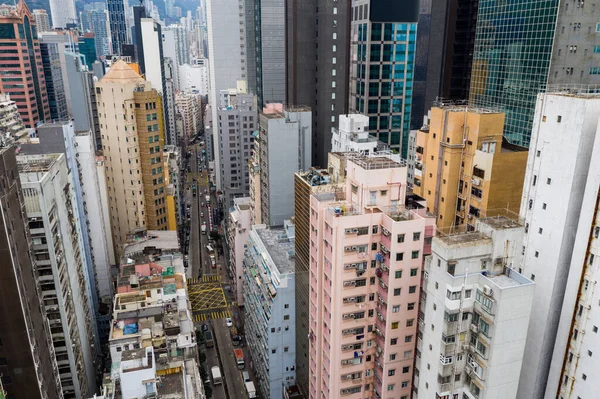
[[202, 280]]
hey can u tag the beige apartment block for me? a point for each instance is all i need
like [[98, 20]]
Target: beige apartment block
[[464, 168], [131, 125]]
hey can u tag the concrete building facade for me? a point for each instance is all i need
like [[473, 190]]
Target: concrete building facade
[[63, 13], [30, 364], [130, 109], [238, 120], [194, 77], [269, 306], [474, 313], [284, 148], [352, 135], [52, 212], [227, 63], [367, 251], [42, 20], [237, 237], [464, 168], [559, 165]]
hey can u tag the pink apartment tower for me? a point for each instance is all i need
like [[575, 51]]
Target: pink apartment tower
[[366, 257]]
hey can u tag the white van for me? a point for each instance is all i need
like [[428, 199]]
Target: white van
[[209, 248], [246, 376]]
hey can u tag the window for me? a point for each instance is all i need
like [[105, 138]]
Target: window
[[391, 372], [286, 317], [548, 181], [410, 306], [273, 350], [410, 322], [417, 236], [395, 308], [400, 238], [412, 289], [405, 369], [390, 387], [414, 271], [415, 255], [395, 325], [398, 274], [399, 256], [392, 356], [396, 291], [394, 341]]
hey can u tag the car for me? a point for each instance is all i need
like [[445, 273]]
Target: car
[[228, 322], [186, 258], [201, 214], [202, 204], [204, 327], [214, 266]]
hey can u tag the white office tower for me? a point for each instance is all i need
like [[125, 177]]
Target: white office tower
[[63, 13], [474, 314], [226, 47], [562, 157], [51, 209], [353, 135], [194, 77]]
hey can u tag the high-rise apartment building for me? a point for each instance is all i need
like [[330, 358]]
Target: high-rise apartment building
[[269, 307], [238, 230], [558, 230], [187, 104], [382, 58], [30, 367], [42, 20], [266, 50], [474, 313], [305, 184], [284, 148], [317, 46], [465, 168], [227, 64], [576, 341], [131, 124], [238, 120], [11, 125], [19, 41], [52, 213], [117, 24], [367, 251]]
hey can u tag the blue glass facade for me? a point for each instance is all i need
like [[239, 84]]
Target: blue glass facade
[[383, 62], [511, 60]]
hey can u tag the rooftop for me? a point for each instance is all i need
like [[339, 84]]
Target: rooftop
[[170, 386], [280, 248], [242, 203], [146, 242], [121, 72], [509, 220], [379, 160], [36, 163], [462, 238]]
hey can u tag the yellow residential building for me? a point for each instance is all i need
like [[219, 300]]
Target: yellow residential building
[[465, 168], [131, 125]]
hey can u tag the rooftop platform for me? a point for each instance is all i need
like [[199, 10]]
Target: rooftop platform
[[280, 248]]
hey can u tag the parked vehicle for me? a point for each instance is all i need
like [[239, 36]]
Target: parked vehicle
[[216, 375], [239, 358], [208, 338], [246, 376], [203, 228], [250, 389], [228, 322]]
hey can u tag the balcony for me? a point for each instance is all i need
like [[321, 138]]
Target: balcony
[[386, 239]]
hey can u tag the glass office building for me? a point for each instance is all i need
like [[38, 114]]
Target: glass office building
[[511, 60], [381, 72]]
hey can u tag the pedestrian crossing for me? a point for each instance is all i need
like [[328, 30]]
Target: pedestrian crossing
[[212, 315], [204, 279]]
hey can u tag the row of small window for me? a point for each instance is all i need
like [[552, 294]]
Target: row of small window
[[388, 32]]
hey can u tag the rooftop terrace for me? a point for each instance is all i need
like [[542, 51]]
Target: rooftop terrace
[[280, 248]]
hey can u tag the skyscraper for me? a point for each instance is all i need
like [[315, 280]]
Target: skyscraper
[[238, 114], [118, 25], [365, 277], [52, 213], [317, 50], [63, 13], [559, 210], [18, 31], [227, 62], [42, 20], [55, 88], [29, 364], [134, 167], [95, 20], [511, 60], [266, 35], [382, 60]]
